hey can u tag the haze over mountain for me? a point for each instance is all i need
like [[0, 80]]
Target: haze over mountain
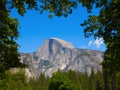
[[58, 54]]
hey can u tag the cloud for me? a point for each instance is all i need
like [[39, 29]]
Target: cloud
[[97, 43], [90, 43]]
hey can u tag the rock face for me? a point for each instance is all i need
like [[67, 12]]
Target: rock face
[[58, 54]]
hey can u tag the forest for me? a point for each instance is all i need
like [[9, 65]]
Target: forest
[[69, 80]]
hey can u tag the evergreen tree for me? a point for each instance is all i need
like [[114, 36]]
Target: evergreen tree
[[92, 80], [99, 81], [74, 77], [84, 80], [60, 82]]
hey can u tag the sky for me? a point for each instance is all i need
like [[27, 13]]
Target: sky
[[35, 28]]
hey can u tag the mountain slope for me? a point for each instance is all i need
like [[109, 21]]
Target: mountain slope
[[58, 54]]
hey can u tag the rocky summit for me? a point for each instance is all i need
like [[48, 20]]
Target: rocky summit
[[58, 54]]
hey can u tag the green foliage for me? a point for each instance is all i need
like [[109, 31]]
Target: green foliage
[[59, 7], [41, 83], [74, 77], [8, 35], [8, 46], [14, 81], [79, 81], [60, 82], [56, 7], [70, 80], [107, 26]]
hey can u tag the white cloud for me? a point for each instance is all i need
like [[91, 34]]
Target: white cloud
[[97, 43], [90, 43]]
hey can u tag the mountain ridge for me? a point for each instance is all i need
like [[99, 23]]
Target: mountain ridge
[[59, 54]]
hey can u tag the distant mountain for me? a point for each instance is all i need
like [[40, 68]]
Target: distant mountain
[[58, 54]]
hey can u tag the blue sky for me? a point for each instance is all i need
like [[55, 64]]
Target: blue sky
[[35, 28]]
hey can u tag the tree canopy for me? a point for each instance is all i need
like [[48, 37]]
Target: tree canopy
[[106, 25], [8, 46], [60, 82]]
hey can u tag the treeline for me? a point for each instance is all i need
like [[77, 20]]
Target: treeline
[[70, 80]]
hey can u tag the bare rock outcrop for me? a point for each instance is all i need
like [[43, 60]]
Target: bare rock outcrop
[[58, 54]]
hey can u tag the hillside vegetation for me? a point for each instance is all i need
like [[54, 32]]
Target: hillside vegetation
[[59, 81]]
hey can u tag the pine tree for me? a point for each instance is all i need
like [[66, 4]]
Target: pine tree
[[60, 82]]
